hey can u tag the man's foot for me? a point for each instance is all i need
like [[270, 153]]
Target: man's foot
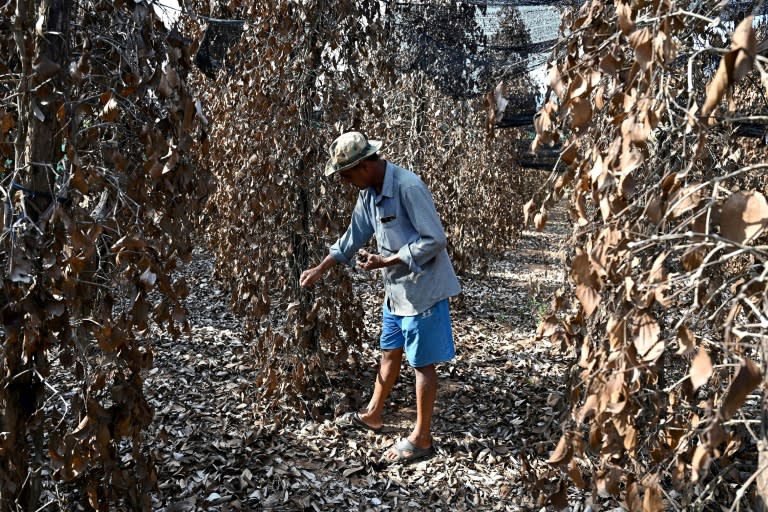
[[405, 452], [353, 420]]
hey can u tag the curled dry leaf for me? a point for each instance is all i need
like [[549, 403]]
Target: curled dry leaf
[[580, 207], [543, 122], [642, 41], [626, 23], [581, 112], [588, 297], [582, 271], [658, 269], [586, 410], [747, 379], [110, 110], [548, 326], [645, 336], [652, 499], [608, 482], [685, 200], [701, 369], [744, 216], [562, 453], [744, 39], [616, 330], [692, 258], [527, 211], [555, 81], [609, 64], [631, 160], [686, 340], [598, 169], [700, 462], [733, 66], [578, 88], [568, 156], [664, 47], [45, 68], [606, 209]]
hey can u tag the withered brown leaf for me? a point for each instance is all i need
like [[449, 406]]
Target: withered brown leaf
[[747, 378], [744, 216]]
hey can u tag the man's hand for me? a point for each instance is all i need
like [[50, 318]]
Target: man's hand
[[310, 276], [313, 275], [368, 261]]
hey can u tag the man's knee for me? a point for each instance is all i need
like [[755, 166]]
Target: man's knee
[[427, 371], [391, 354]]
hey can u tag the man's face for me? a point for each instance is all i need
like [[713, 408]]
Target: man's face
[[354, 176]]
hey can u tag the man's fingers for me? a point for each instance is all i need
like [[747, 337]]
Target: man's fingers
[[306, 279], [371, 263]]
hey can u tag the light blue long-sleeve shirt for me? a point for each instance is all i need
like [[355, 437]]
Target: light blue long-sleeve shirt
[[404, 220]]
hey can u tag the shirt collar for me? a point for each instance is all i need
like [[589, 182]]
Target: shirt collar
[[388, 186]]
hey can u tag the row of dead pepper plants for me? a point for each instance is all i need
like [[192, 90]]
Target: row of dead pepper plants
[[667, 314], [98, 129], [669, 309], [96, 125], [300, 75]]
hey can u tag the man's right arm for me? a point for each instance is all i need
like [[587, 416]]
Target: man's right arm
[[359, 231], [310, 276]]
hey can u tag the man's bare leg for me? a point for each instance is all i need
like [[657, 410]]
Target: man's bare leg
[[426, 393], [389, 371]]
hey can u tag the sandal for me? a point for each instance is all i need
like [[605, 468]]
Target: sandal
[[407, 452], [353, 420]]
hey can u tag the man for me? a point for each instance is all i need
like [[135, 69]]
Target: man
[[396, 207]]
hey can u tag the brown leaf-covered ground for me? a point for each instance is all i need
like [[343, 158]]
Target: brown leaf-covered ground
[[498, 407]]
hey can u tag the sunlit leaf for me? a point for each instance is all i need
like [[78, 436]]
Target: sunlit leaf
[[562, 451], [744, 216], [686, 340], [701, 369], [747, 378], [626, 23], [645, 336], [588, 297]]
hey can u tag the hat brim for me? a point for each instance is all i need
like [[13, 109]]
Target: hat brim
[[373, 147]]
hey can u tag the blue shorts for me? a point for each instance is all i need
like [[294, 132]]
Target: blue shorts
[[426, 337]]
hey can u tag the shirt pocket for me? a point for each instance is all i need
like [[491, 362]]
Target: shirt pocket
[[392, 236], [389, 228]]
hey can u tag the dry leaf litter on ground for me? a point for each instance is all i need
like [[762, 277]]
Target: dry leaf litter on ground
[[497, 413]]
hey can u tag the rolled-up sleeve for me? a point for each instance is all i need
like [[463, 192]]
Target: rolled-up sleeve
[[358, 233], [420, 207]]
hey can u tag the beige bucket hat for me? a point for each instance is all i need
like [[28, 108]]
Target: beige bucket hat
[[348, 149]]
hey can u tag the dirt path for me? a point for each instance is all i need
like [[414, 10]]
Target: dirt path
[[498, 401]]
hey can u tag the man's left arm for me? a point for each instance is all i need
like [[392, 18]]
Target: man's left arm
[[370, 261], [420, 207]]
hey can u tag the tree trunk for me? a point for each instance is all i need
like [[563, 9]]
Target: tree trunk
[[42, 144], [310, 335], [37, 149]]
